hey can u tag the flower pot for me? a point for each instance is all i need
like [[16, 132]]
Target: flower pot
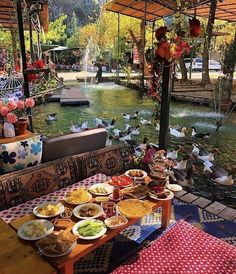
[[21, 126]]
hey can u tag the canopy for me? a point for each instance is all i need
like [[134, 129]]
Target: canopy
[[8, 16], [155, 9]]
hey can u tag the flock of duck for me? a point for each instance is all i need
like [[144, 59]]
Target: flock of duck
[[182, 170]]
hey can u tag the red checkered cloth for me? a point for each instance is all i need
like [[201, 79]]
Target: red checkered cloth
[[21, 210], [184, 249]]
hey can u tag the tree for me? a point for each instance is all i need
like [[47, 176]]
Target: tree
[[57, 31], [207, 44]]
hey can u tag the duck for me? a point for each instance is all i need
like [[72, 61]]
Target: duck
[[125, 137], [185, 178], [157, 127], [208, 156], [199, 135], [134, 130], [174, 153], [195, 150], [144, 144], [51, 117], [116, 132], [207, 167], [105, 124], [178, 134], [79, 127], [183, 163], [109, 141], [225, 180], [129, 117], [145, 122]]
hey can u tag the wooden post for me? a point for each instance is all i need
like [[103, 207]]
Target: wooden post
[[143, 43], [118, 51], [167, 87], [23, 56]]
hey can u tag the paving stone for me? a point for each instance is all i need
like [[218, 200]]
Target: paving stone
[[215, 208], [189, 198], [202, 202], [228, 214], [180, 193]]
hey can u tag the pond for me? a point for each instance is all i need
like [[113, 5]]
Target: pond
[[109, 101]]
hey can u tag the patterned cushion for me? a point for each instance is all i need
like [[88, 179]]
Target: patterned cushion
[[109, 161], [30, 183], [18, 155]]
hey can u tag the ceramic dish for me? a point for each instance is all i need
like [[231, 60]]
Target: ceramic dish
[[48, 210], [115, 200], [136, 174], [83, 223], [116, 222], [101, 189], [68, 251], [93, 211], [174, 187], [78, 197], [169, 195], [35, 230]]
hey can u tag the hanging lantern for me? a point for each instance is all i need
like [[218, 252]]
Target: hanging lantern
[[194, 27], [160, 33]]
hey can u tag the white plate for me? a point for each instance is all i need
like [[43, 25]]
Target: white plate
[[169, 197], [138, 178], [115, 200], [108, 188], [71, 203], [68, 251], [61, 209], [76, 211], [100, 234], [174, 187], [117, 226], [48, 225]]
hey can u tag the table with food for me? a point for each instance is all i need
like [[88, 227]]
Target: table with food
[[89, 215]]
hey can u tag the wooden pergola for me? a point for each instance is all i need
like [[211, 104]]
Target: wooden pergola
[[151, 10]]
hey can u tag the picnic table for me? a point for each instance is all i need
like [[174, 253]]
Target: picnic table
[[65, 264]]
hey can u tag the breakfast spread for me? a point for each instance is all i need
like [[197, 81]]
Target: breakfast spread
[[56, 243]]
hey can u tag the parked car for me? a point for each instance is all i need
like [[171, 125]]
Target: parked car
[[197, 64]]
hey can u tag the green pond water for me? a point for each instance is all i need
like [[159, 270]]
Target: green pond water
[[109, 101]]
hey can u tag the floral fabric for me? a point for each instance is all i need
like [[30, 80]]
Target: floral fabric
[[21, 154]]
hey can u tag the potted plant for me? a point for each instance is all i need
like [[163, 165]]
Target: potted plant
[[15, 112]]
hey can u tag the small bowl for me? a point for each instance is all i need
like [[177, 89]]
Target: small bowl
[[67, 213], [105, 205], [109, 220], [62, 223]]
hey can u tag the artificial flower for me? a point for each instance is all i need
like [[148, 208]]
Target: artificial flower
[[11, 105], [1, 103], [11, 118], [160, 33], [194, 27], [4, 110], [29, 102], [20, 104], [163, 50], [39, 64]]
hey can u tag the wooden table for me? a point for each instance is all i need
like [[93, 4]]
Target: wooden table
[[28, 134], [19, 257], [65, 264]]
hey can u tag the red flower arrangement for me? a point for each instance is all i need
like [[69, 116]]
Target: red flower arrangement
[[38, 64]]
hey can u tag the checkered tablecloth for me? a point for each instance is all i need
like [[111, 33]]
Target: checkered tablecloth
[[21, 210]]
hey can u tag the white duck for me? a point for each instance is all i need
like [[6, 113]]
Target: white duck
[[129, 117], [145, 122], [102, 123], [126, 137], [209, 157], [199, 135], [109, 141], [226, 180], [78, 128], [207, 166], [116, 132], [143, 146], [195, 150], [178, 134], [174, 153], [51, 117], [134, 130], [182, 164], [157, 127]]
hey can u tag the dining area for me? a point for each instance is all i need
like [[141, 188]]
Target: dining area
[[81, 217]]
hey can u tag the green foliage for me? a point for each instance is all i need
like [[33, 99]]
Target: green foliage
[[57, 31]]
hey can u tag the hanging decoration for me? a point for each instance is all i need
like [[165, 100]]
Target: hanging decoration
[[194, 27]]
